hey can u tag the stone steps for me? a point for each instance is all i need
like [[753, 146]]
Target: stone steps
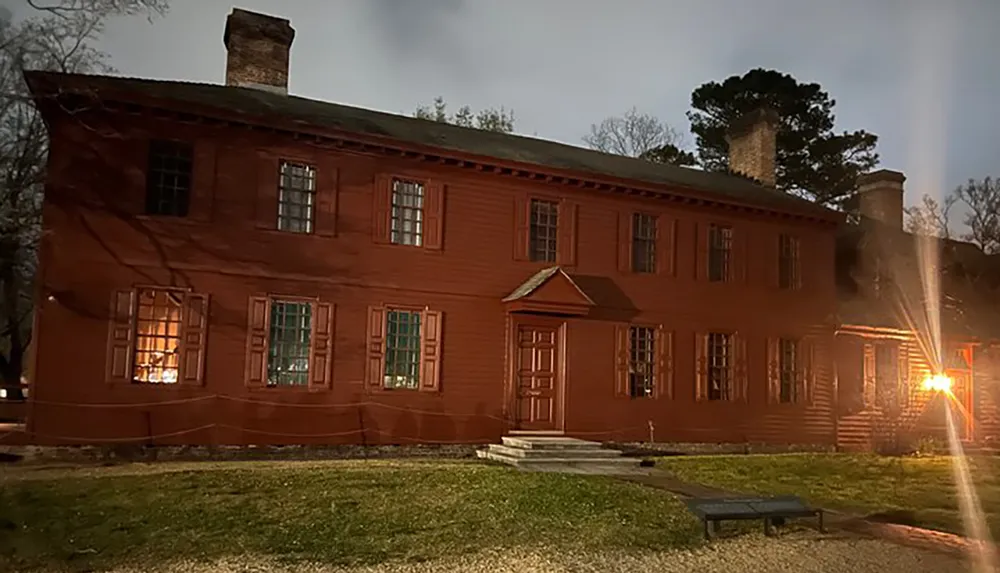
[[559, 454]]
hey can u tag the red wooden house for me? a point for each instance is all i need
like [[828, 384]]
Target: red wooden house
[[231, 264]]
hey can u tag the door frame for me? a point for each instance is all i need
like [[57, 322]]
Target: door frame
[[514, 322]]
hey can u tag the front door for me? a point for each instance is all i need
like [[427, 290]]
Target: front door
[[536, 377]]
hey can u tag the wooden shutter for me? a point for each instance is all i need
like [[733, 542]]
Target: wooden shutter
[[434, 204], [664, 362], [382, 209], [121, 336], [904, 374], [701, 251], [701, 366], [195, 325], [327, 199], [807, 353], [868, 375], [621, 359], [430, 355], [321, 352], [267, 191], [666, 248], [375, 370], [625, 242], [568, 213], [203, 181], [521, 228], [773, 370], [258, 322], [772, 253], [740, 368]]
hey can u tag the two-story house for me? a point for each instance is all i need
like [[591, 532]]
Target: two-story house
[[231, 264]]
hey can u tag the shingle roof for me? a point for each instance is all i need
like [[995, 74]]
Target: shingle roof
[[255, 103]]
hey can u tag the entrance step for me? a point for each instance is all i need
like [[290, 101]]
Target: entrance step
[[560, 454]]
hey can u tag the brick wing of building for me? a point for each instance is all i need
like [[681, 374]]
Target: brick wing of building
[[231, 264]]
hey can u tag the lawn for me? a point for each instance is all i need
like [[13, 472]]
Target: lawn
[[920, 489], [332, 512]]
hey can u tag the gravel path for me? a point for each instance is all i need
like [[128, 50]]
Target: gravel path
[[793, 552]]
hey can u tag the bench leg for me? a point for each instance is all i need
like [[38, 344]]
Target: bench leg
[[768, 527], [822, 529], [711, 528]]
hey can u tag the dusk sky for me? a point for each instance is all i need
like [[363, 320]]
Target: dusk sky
[[921, 74]]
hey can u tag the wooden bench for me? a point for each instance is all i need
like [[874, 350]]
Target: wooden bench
[[712, 511]]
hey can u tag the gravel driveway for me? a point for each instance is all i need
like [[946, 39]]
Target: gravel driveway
[[793, 552]]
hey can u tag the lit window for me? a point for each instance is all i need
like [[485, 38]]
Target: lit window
[[642, 350], [720, 247], [296, 197], [168, 178], [720, 366], [544, 227], [643, 243], [402, 349], [289, 343], [407, 219], [157, 336]]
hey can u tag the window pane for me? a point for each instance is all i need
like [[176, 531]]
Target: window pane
[[296, 197], [289, 344], [719, 367], [720, 246], [642, 350], [788, 361], [788, 262], [168, 178], [407, 213], [643, 243], [157, 336], [402, 349], [543, 230]]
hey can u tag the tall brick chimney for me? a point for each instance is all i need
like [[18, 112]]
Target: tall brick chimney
[[880, 195], [753, 145], [258, 46]]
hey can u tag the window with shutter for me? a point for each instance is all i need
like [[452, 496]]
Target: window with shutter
[[409, 211], [289, 343], [404, 349], [157, 336]]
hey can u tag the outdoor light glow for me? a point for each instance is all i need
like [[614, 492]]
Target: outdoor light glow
[[938, 383]]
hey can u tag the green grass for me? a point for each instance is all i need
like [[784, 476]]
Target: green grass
[[924, 488], [333, 512]]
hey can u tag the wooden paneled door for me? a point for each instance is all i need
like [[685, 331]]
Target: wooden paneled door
[[537, 377]]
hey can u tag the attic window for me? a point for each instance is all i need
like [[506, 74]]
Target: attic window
[[168, 178]]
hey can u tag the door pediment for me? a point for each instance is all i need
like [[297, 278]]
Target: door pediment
[[550, 291]]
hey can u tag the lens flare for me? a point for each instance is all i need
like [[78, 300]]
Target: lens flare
[[938, 383]]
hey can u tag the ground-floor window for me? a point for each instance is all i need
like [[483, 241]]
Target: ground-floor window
[[289, 342], [157, 336], [642, 360], [404, 348], [720, 366], [788, 370]]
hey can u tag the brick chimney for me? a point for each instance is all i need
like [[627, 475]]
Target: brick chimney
[[880, 196], [753, 145], [258, 46]]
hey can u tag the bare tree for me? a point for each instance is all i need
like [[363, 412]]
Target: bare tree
[[635, 134], [57, 35], [492, 119], [930, 218], [982, 201]]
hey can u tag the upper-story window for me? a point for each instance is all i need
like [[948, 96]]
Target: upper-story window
[[543, 230], [296, 197], [720, 252], [789, 271], [407, 215], [168, 178], [643, 243]]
